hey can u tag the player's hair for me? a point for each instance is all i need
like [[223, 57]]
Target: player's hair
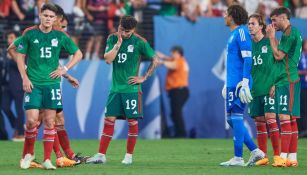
[[238, 14], [281, 10], [9, 32], [60, 11], [51, 7], [178, 49], [65, 17], [260, 20], [128, 22]]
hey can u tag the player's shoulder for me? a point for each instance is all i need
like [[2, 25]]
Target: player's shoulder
[[30, 29], [112, 35], [139, 37], [60, 31]]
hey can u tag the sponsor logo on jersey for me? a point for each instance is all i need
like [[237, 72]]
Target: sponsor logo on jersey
[[36, 41], [59, 103], [264, 49], [272, 108], [135, 112], [27, 99], [54, 42], [130, 48]]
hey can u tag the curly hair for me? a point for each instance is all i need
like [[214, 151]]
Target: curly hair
[[260, 20], [281, 10], [238, 14], [128, 22]]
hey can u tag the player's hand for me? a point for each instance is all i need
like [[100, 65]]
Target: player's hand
[[270, 31], [58, 73], [119, 36], [272, 92], [244, 93], [27, 85], [224, 92], [136, 80], [73, 81]]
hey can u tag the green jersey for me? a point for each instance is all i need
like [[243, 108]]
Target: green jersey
[[127, 61], [291, 45], [263, 69], [43, 50]]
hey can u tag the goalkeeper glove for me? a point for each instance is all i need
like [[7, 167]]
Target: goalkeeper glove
[[244, 92]]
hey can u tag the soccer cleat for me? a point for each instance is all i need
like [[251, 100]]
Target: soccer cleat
[[256, 155], [263, 162], [35, 164], [279, 162], [25, 163], [80, 159], [291, 163], [128, 159], [65, 162], [235, 161], [48, 165], [97, 159]]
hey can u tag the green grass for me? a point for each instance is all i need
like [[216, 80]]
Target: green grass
[[171, 157]]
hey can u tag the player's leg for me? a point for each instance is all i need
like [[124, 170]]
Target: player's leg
[[48, 136], [295, 114], [32, 104], [132, 103], [113, 109]]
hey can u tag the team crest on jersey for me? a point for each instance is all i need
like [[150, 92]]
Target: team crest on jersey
[[264, 49], [54, 42], [130, 48], [27, 99]]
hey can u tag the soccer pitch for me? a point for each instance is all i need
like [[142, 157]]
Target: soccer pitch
[[171, 157]]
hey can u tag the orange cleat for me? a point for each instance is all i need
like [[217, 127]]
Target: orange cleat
[[65, 162]]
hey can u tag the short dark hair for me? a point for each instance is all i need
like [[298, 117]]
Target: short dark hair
[[9, 32], [65, 17], [281, 10], [60, 11], [51, 7], [128, 22], [238, 14], [260, 20], [178, 49]]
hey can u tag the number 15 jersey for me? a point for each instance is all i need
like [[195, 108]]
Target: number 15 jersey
[[127, 61]]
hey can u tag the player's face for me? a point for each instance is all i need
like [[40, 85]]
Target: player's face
[[64, 24], [10, 38], [277, 21], [253, 26], [47, 18], [175, 54], [227, 19], [126, 33]]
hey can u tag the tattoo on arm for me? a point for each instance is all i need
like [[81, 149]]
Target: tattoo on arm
[[151, 67]]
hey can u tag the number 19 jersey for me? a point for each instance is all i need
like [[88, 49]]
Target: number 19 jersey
[[263, 68], [127, 61]]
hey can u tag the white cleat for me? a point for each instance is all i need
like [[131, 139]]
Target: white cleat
[[97, 159], [128, 159], [256, 155], [25, 163], [235, 161], [48, 165]]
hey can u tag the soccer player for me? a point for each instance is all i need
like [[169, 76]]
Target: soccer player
[[287, 85], [41, 81], [238, 80], [263, 108], [124, 49]]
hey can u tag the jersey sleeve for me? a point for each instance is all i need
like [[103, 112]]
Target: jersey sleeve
[[69, 45], [110, 43], [146, 50], [22, 44], [285, 44], [244, 44]]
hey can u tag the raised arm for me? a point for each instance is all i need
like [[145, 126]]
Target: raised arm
[[111, 55], [278, 55]]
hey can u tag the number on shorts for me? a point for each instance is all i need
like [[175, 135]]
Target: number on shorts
[[130, 104], [271, 101], [230, 96], [283, 100], [56, 94]]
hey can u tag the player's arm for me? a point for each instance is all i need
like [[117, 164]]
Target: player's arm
[[278, 54], [12, 51], [167, 61], [110, 55], [26, 83], [72, 80]]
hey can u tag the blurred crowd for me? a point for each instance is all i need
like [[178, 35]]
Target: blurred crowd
[[90, 21]]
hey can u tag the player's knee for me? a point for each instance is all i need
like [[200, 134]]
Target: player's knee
[[260, 119], [59, 127], [31, 122], [270, 116], [284, 117], [110, 119], [132, 122]]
